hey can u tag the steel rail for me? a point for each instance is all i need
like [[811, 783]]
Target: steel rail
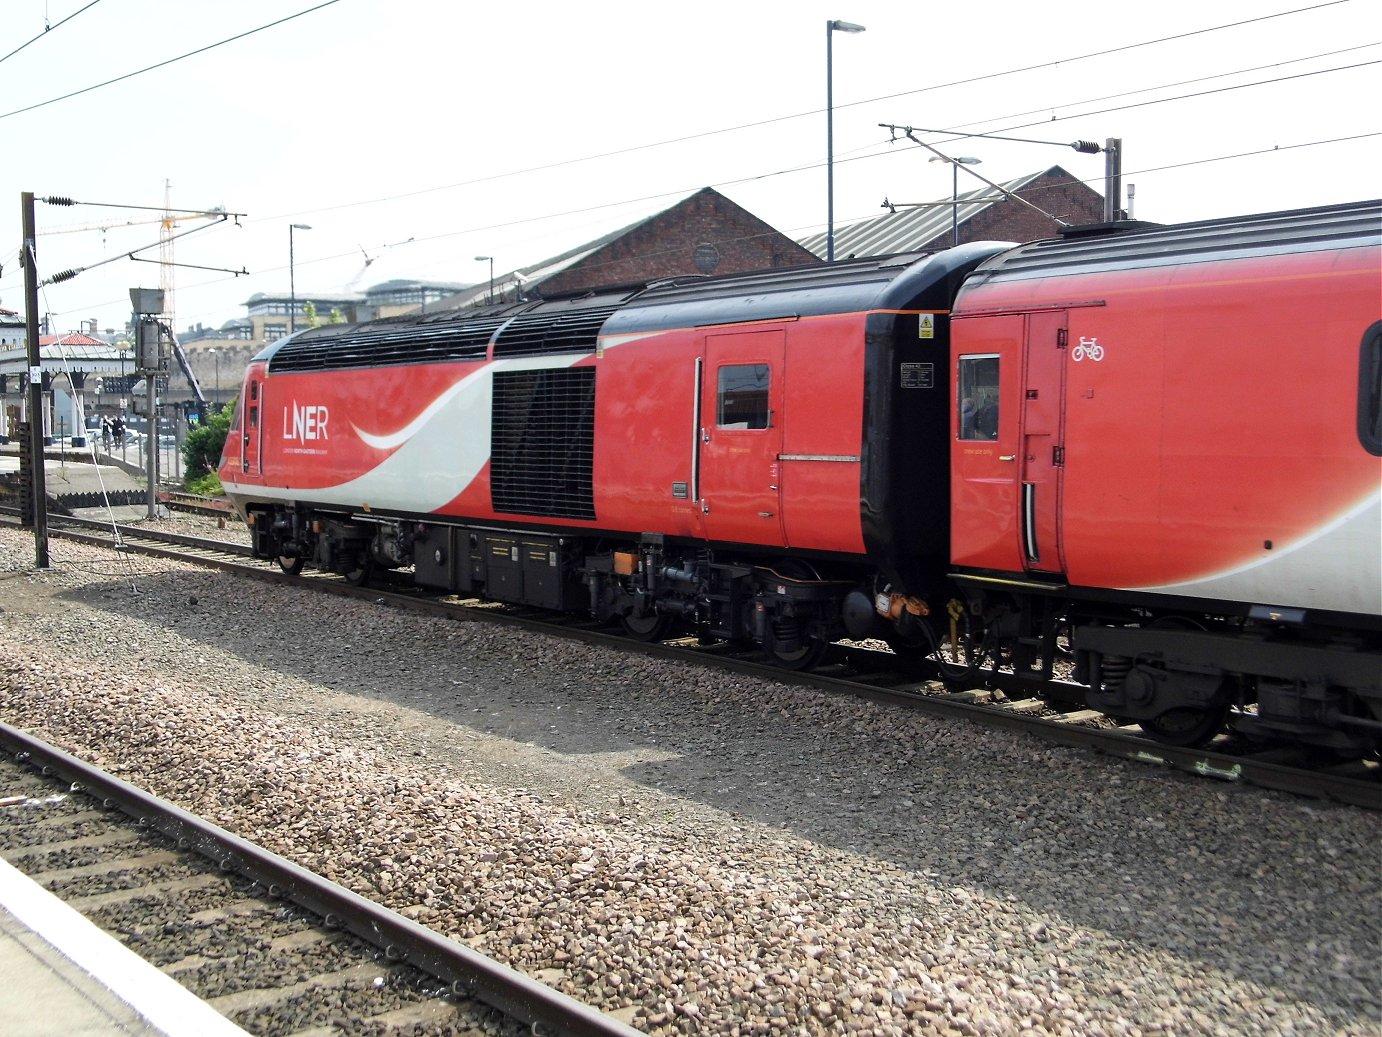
[[468, 972]]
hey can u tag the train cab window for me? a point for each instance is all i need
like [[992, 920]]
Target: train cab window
[[976, 396], [1370, 391], [743, 397]]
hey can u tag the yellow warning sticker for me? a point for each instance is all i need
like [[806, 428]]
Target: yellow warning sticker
[[926, 325]]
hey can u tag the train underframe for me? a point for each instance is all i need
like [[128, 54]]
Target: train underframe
[[1184, 676]]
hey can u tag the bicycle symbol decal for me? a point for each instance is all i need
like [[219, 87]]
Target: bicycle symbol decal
[[1088, 347]]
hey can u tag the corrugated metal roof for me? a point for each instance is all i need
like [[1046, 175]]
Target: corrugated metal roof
[[910, 229]]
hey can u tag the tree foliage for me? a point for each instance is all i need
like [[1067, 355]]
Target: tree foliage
[[201, 451]]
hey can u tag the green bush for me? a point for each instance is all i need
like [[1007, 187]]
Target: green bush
[[201, 451], [209, 485]]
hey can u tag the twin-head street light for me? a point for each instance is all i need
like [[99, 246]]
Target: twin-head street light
[[955, 164], [831, 28], [292, 281]]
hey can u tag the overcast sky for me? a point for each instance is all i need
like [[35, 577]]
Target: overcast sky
[[419, 134]]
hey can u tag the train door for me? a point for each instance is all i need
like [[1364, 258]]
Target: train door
[[984, 531], [251, 442], [741, 436], [1007, 455], [1042, 457]]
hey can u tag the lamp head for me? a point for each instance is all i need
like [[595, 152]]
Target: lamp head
[[839, 26]]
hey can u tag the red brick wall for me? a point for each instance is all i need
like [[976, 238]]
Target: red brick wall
[[667, 245]]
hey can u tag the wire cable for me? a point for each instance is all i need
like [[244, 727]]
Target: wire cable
[[170, 61], [47, 29], [807, 114]]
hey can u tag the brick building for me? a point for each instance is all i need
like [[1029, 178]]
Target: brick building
[[705, 233], [983, 215]]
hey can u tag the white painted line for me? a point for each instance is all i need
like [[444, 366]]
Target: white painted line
[[167, 1005]]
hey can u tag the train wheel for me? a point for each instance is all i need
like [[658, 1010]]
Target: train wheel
[[291, 564], [1186, 727], [805, 656], [359, 575], [647, 628]]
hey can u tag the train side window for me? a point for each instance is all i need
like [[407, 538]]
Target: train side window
[[742, 401], [976, 396], [1370, 391]]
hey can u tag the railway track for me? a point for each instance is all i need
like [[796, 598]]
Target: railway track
[[274, 948], [992, 699], [196, 504]]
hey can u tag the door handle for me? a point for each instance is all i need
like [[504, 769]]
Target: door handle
[[1007, 457]]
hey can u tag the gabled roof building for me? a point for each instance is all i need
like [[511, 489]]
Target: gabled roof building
[[984, 214], [704, 233]]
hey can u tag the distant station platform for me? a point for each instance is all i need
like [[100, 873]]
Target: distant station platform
[[76, 483], [61, 976]]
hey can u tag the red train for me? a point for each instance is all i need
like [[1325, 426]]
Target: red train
[[1152, 452]]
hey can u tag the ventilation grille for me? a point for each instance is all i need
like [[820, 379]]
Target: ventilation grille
[[382, 344], [542, 447], [541, 332]]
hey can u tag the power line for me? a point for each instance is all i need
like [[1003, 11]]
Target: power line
[[801, 115], [804, 167], [1187, 97], [170, 61], [47, 29], [1149, 89]]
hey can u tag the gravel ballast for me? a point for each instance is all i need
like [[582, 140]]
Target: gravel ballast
[[692, 851]]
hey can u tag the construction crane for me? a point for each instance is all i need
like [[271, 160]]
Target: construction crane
[[167, 224], [165, 246]]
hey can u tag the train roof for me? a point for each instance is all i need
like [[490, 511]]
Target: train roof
[[574, 324], [542, 326], [895, 282], [1125, 247]]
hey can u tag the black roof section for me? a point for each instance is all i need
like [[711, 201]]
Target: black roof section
[[541, 327], [573, 325], [891, 282], [1126, 247]]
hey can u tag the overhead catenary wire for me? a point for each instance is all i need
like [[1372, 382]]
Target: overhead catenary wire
[[808, 166], [47, 29], [967, 81], [169, 61], [1190, 163]]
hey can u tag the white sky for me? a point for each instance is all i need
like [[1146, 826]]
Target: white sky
[[423, 133]]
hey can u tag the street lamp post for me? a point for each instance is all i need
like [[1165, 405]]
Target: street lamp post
[[292, 280], [481, 259], [216, 394], [955, 163], [831, 28]]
